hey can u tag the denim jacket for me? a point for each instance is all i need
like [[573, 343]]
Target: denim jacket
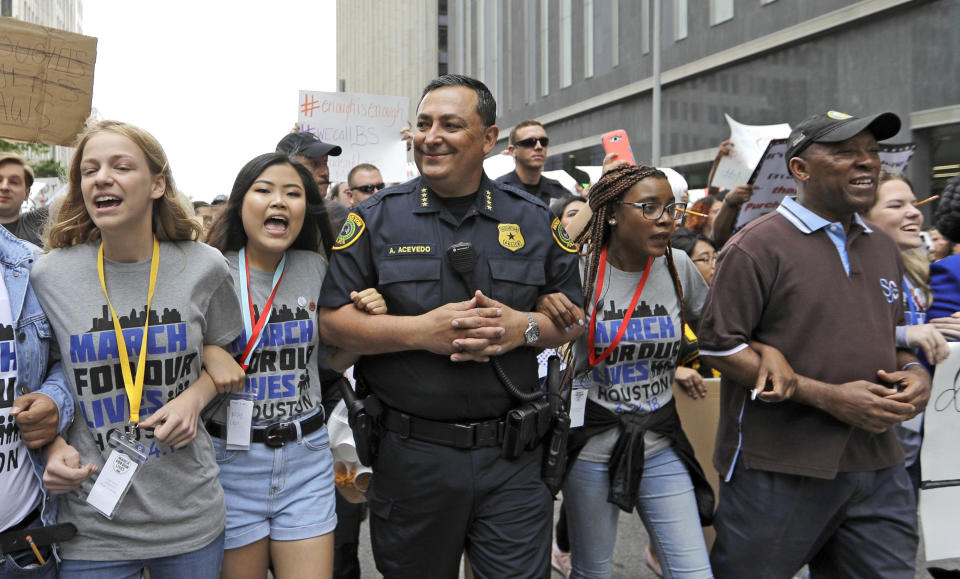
[[32, 339]]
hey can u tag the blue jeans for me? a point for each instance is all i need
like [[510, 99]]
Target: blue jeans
[[204, 563], [15, 566], [667, 507]]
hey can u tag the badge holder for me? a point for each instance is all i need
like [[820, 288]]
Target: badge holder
[[240, 421], [578, 399], [115, 477]]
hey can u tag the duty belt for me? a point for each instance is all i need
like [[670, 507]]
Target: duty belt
[[468, 435]]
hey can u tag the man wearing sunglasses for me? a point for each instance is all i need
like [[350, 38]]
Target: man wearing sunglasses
[[528, 146], [363, 181]]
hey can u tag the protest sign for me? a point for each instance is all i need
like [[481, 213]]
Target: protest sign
[[749, 144], [940, 462], [772, 181], [895, 158], [366, 126], [700, 418], [46, 85]]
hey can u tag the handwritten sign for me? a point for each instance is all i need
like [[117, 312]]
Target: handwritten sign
[[367, 127], [940, 462], [772, 180], [46, 82], [749, 144]]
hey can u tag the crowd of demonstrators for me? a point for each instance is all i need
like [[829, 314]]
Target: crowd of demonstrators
[[159, 344]]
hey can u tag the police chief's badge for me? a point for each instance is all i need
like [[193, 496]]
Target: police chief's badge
[[352, 230], [561, 237], [510, 236]]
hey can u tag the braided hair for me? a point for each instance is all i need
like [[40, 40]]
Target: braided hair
[[947, 217], [604, 197]]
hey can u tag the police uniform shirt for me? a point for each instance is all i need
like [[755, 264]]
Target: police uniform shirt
[[397, 240], [546, 190]]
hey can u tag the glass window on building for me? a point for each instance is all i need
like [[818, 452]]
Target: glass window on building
[[587, 38], [679, 19], [720, 11], [566, 43], [544, 47]]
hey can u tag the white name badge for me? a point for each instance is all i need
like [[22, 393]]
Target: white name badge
[[578, 406], [239, 424], [113, 482]]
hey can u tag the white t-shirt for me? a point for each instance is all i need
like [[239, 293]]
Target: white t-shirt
[[19, 488]]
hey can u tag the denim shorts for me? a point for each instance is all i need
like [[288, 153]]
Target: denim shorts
[[284, 493]]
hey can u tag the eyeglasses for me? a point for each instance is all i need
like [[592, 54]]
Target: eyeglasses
[[532, 142], [710, 259], [654, 211], [368, 189]]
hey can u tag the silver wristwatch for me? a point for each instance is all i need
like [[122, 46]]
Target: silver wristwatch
[[533, 330]]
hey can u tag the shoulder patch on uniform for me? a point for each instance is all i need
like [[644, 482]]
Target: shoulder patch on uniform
[[561, 237], [353, 228]]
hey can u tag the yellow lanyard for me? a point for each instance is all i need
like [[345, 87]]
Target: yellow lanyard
[[134, 388]]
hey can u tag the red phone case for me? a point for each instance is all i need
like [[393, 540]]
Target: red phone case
[[617, 142]]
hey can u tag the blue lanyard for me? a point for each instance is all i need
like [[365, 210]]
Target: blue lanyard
[[915, 316], [246, 307]]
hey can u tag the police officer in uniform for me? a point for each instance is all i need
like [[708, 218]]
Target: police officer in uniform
[[440, 484]]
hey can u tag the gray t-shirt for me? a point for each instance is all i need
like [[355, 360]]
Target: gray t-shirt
[[638, 375], [175, 503], [283, 372]]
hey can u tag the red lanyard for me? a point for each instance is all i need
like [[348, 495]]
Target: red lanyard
[[594, 359], [254, 332]]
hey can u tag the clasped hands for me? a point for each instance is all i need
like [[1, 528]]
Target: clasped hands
[[473, 330]]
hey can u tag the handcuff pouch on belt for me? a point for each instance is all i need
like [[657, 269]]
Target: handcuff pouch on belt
[[363, 416]]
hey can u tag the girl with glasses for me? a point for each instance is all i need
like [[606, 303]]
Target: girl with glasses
[[632, 452]]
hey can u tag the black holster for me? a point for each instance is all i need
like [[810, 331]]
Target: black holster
[[363, 416], [555, 451]]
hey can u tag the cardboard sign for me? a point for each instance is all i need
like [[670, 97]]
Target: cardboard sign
[[940, 462], [700, 419], [46, 84], [366, 126], [749, 144], [772, 181]]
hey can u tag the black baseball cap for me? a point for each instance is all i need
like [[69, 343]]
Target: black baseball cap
[[307, 145], [836, 127]]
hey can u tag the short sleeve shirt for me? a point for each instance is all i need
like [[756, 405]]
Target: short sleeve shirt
[[175, 502], [781, 282]]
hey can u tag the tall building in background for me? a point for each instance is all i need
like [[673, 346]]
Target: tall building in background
[[390, 48], [60, 14], [585, 67]]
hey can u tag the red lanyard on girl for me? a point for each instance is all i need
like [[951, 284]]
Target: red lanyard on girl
[[251, 324], [594, 359]]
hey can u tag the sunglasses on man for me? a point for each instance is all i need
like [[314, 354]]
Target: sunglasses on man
[[532, 142], [368, 189]]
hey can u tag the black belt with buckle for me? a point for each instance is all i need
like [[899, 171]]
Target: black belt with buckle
[[467, 435], [275, 435]]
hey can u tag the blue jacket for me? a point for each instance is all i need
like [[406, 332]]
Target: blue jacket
[[35, 372]]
